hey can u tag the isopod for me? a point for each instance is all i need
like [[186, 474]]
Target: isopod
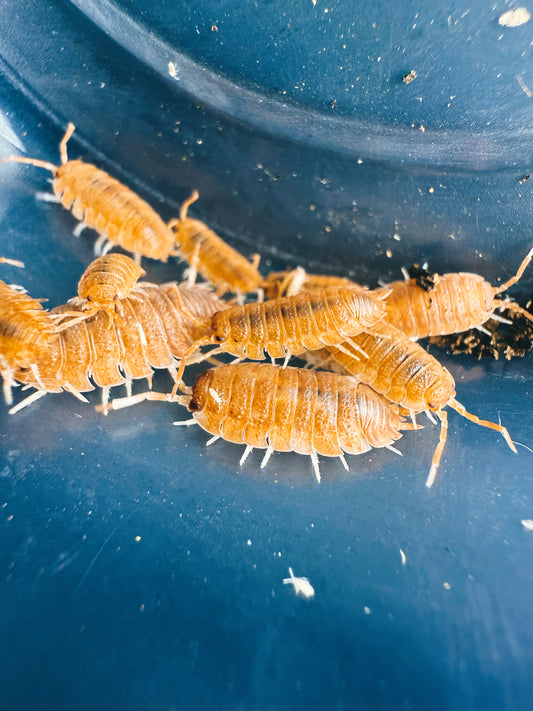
[[101, 202], [450, 303], [406, 374], [294, 324], [26, 330], [103, 285], [154, 331], [268, 407], [288, 283], [214, 259]]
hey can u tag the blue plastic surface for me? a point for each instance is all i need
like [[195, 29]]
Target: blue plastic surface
[[141, 570]]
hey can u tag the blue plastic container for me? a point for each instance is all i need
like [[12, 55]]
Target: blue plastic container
[[140, 570]]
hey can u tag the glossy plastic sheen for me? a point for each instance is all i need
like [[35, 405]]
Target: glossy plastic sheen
[[140, 570]]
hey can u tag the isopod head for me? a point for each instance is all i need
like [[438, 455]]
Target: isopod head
[[108, 279], [200, 391], [440, 392]]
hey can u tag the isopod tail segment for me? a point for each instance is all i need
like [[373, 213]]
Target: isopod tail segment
[[443, 417]]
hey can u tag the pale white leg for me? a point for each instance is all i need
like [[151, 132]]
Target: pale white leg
[[393, 449], [245, 454], [213, 439], [68, 387], [430, 417], [187, 423], [27, 401], [344, 462], [287, 359], [413, 418], [46, 197], [79, 229], [107, 247], [105, 399], [128, 387], [269, 452], [316, 467], [98, 245], [483, 330]]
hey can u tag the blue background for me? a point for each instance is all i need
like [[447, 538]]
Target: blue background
[[304, 143]]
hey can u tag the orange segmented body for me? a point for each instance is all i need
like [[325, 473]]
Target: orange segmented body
[[405, 373], [26, 330], [293, 409], [107, 280], [398, 368], [456, 302], [293, 324], [214, 259], [106, 205], [288, 410], [156, 328], [288, 283]]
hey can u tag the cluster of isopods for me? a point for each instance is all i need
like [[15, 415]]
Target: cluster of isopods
[[366, 376]]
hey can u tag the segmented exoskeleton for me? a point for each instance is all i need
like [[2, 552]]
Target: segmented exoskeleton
[[154, 330], [456, 302], [405, 373], [288, 409], [214, 259], [101, 202]]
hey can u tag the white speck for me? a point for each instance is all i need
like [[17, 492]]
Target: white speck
[[397, 237], [359, 161], [249, 542], [527, 523], [216, 397], [367, 610], [10, 518], [137, 538], [141, 608], [431, 190], [403, 556], [173, 70], [302, 586], [514, 18], [446, 586]]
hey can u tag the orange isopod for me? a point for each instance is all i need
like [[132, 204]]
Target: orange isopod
[[405, 373], [294, 324], [156, 328], [288, 410], [288, 283], [104, 204], [456, 302], [26, 330], [214, 259]]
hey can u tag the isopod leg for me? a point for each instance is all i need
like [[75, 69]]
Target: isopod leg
[[46, 197], [443, 417], [79, 229], [316, 466], [27, 401], [269, 452], [483, 423], [212, 440], [344, 462], [245, 454]]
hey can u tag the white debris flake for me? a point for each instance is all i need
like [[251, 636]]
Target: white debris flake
[[367, 610], [527, 523], [172, 70], [302, 586], [403, 557], [514, 18]]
